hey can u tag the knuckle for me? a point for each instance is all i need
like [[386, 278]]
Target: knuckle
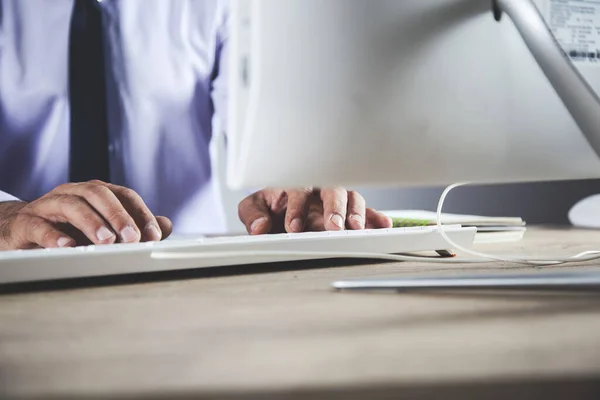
[[242, 206], [86, 220], [139, 208], [89, 218], [376, 213], [250, 203], [145, 216], [68, 200], [97, 190], [292, 213], [34, 226], [63, 187], [300, 193], [36, 223], [262, 192], [338, 205], [96, 182], [253, 198], [68, 204], [256, 197], [331, 193], [39, 206], [296, 208], [140, 213], [355, 200], [279, 196], [340, 191], [129, 193], [48, 236], [354, 194], [118, 216]]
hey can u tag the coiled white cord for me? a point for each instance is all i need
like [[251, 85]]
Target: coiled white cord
[[581, 257]]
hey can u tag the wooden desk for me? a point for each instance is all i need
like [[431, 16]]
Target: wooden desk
[[269, 332]]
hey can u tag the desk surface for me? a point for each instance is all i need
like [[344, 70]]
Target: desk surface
[[270, 331]]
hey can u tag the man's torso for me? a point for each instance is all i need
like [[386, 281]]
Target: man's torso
[[162, 58]]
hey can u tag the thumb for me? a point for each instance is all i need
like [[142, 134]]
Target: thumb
[[254, 214]]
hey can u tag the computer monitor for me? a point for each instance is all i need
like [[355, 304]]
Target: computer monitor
[[411, 92]]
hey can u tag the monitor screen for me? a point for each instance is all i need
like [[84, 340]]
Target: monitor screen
[[407, 93]]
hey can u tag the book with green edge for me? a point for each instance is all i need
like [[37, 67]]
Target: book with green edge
[[408, 218], [400, 222]]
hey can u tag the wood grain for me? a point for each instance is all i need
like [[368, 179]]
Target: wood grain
[[279, 331]]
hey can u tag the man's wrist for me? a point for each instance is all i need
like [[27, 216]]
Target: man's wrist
[[8, 210], [11, 207]]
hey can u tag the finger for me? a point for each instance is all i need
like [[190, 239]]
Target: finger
[[356, 211], [111, 208], [254, 213], [376, 220], [277, 199], [297, 209], [144, 219], [166, 226], [43, 233], [314, 220], [78, 212], [76, 234], [335, 203]]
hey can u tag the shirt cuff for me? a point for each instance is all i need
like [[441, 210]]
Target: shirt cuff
[[7, 197]]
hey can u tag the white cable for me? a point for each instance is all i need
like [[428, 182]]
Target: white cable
[[584, 256]]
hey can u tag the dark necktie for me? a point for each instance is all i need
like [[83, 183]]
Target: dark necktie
[[88, 158]]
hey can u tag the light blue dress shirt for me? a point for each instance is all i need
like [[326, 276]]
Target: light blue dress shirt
[[166, 86]]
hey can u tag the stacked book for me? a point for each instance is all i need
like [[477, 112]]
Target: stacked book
[[489, 229]]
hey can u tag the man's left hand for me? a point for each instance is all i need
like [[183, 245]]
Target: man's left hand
[[334, 209]]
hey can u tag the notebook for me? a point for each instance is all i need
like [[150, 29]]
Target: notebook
[[489, 229]]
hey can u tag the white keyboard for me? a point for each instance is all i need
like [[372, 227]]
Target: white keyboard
[[87, 261]]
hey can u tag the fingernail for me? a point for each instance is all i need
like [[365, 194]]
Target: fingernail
[[128, 234], [104, 234], [64, 241], [153, 233], [389, 222], [296, 225], [337, 220], [358, 219], [256, 224]]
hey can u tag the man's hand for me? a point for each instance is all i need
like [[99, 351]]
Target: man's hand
[[278, 211], [80, 213]]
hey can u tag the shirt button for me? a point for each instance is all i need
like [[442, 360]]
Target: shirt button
[[114, 148]]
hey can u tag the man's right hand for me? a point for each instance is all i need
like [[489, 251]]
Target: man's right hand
[[77, 214]]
